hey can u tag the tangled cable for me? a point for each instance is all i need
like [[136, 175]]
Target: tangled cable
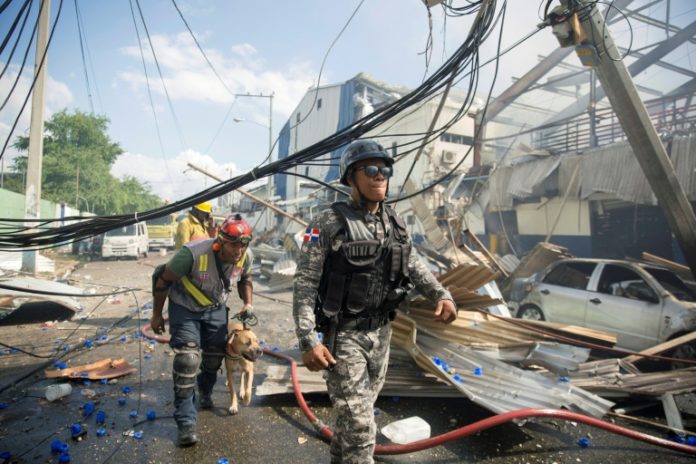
[[42, 234]]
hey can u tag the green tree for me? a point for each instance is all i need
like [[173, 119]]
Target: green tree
[[77, 159]]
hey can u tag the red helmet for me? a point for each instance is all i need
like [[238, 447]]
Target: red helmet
[[235, 229]]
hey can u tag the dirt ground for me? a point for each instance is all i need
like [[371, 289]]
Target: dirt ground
[[271, 429]]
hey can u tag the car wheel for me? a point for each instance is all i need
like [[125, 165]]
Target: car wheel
[[531, 312]]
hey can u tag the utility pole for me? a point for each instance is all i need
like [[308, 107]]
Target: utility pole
[[32, 194], [269, 184], [252, 196], [598, 49]]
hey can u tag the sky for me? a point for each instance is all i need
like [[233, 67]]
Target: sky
[[260, 46]]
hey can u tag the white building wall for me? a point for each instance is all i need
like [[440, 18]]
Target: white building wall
[[538, 218]]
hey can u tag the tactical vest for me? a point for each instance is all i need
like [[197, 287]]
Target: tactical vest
[[365, 277], [203, 288]]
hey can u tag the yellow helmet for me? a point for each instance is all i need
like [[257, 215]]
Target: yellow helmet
[[206, 207]]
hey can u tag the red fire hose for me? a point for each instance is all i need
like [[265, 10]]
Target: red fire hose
[[484, 424]]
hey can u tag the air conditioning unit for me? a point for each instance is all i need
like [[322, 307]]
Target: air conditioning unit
[[449, 157]]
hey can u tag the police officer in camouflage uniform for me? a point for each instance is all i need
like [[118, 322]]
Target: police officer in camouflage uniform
[[197, 281], [354, 270]]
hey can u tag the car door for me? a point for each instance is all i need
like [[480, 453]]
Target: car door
[[563, 291], [625, 303]]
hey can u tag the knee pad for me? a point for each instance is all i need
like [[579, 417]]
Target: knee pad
[[211, 362], [187, 360]]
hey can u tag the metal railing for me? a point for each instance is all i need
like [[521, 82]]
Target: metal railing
[[668, 114]]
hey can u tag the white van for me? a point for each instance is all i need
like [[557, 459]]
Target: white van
[[126, 241]]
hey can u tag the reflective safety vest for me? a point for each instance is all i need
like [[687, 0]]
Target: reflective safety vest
[[203, 288], [366, 276]]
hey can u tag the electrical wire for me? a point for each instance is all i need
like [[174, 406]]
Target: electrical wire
[[458, 61], [13, 26], [16, 43], [207, 60], [149, 91], [82, 54], [36, 76], [161, 76], [21, 67]]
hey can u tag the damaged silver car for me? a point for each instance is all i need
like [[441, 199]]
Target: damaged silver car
[[643, 304]]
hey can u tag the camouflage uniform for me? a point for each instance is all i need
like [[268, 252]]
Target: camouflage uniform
[[362, 355]]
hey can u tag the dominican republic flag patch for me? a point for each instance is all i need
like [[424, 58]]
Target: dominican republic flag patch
[[311, 235]]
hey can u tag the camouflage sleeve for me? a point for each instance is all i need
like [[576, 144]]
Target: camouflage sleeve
[[425, 282], [310, 265]]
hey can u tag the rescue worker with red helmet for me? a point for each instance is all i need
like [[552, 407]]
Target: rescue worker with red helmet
[[355, 267], [197, 282], [195, 225]]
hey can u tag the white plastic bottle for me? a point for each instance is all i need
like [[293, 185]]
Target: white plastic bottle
[[407, 430], [59, 390]]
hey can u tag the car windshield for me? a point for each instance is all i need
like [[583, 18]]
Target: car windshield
[[122, 231], [161, 221], [672, 284]]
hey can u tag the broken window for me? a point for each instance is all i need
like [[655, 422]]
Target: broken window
[[672, 284], [572, 275], [624, 282]]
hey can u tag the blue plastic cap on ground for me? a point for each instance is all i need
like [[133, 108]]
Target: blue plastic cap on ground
[[104, 381], [63, 458], [75, 429], [88, 343], [121, 401], [457, 378], [151, 415], [86, 382], [56, 446], [223, 461], [133, 413], [101, 417], [691, 441], [584, 442], [138, 435], [147, 356], [437, 360], [101, 431], [126, 390], [124, 338], [478, 371], [88, 409], [5, 455], [564, 379]]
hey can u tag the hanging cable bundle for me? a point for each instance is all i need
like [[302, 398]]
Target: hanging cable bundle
[[465, 61]]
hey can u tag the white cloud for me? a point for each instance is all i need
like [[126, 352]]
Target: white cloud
[[58, 97], [173, 179], [188, 77], [244, 50]]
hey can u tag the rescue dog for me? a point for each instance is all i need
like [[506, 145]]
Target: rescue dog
[[240, 353]]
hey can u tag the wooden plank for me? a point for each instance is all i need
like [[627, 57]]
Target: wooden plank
[[672, 413], [680, 268], [662, 347], [485, 251]]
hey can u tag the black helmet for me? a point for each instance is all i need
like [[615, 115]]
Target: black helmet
[[362, 150]]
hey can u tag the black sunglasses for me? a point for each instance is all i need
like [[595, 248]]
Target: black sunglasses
[[371, 171]]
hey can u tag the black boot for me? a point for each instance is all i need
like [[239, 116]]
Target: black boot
[[187, 435], [206, 401]]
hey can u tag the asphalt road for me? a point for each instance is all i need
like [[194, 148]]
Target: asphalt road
[[271, 429]]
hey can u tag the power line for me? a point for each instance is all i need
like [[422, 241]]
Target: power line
[[82, 54], [36, 75], [463, 57], [159, 71], [19, 36]]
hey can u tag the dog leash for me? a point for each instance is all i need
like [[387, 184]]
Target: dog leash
[[247, 318]]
